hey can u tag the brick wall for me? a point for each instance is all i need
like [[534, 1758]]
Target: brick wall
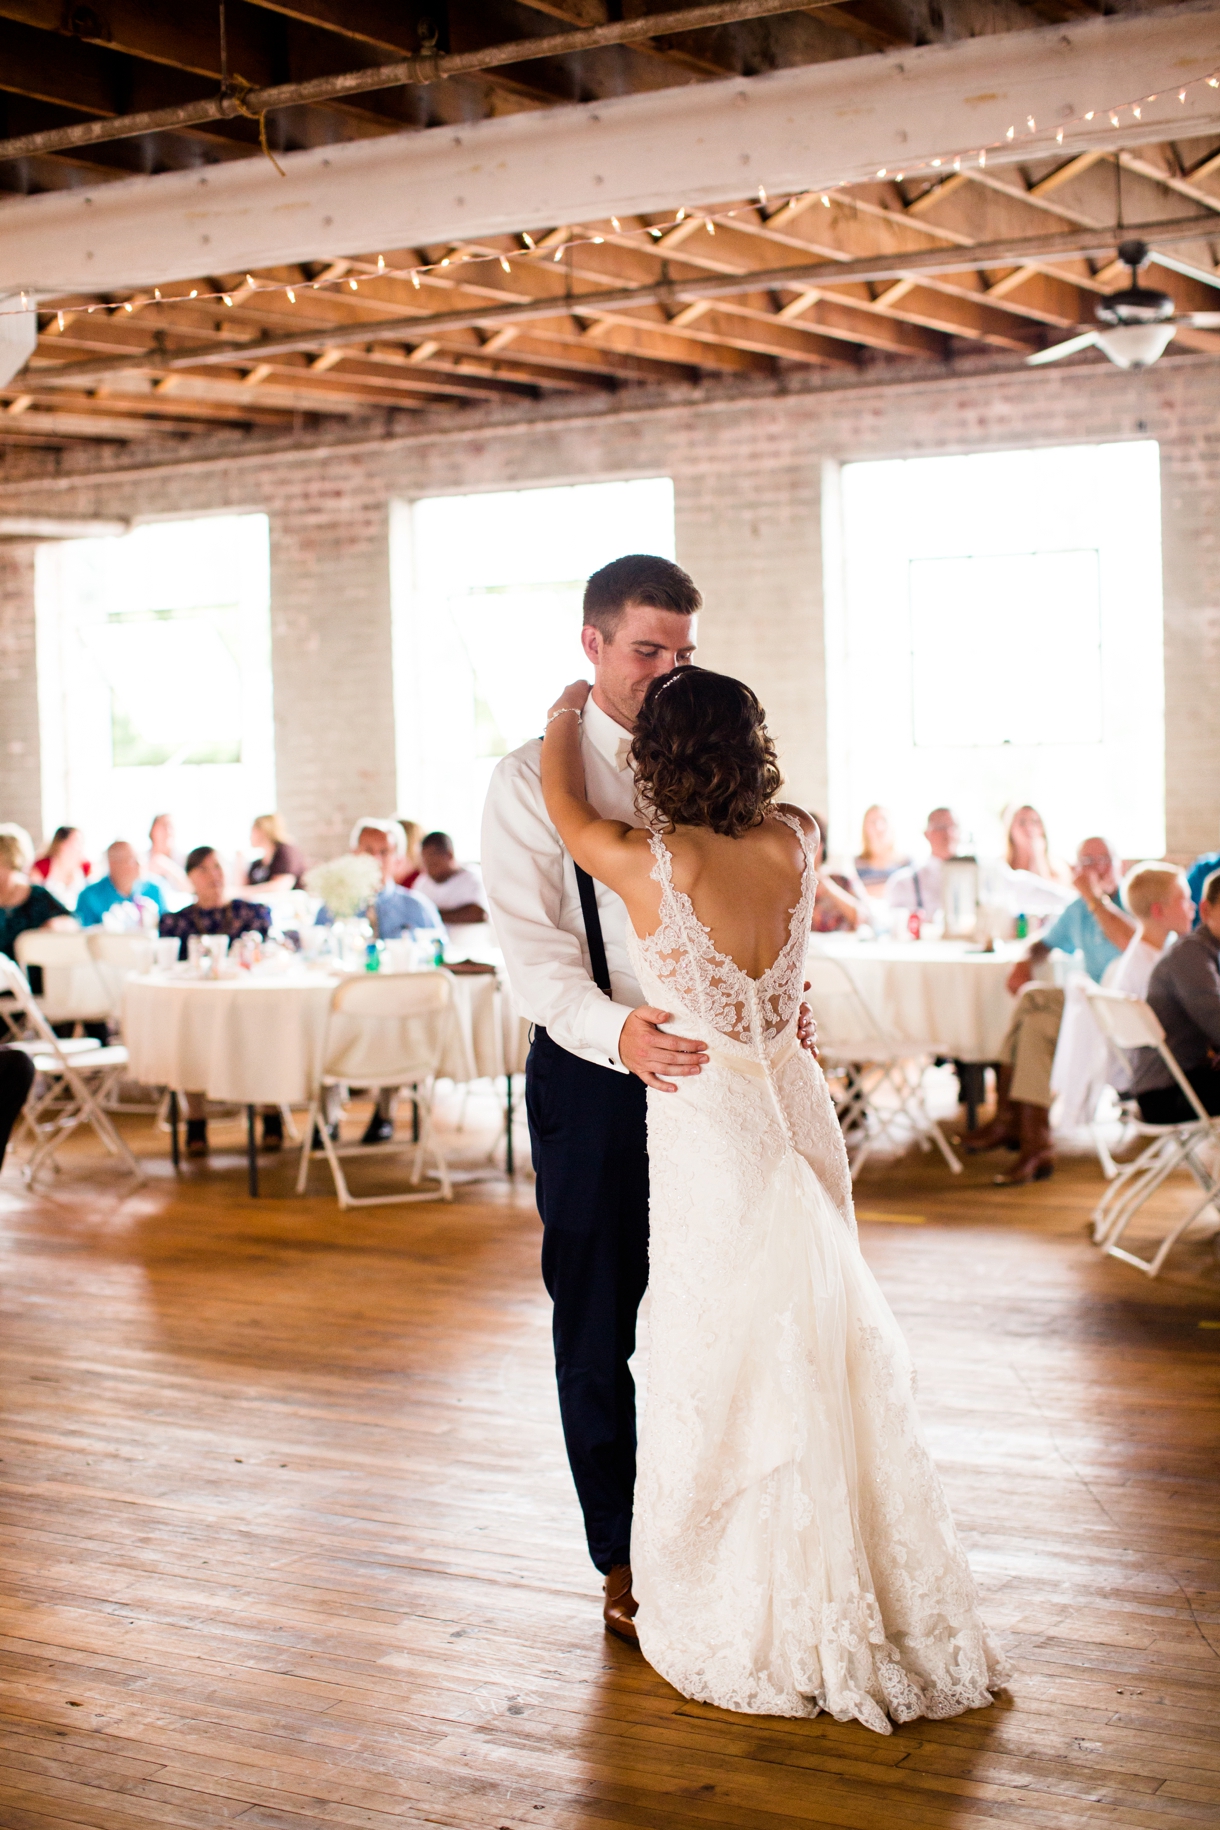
[[747, 471]]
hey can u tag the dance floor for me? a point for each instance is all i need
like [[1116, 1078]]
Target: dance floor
[[289, 1542]]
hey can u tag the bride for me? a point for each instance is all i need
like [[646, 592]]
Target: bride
[[792, 1549]]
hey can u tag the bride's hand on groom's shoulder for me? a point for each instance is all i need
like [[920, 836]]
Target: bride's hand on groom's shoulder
[[571, 699]]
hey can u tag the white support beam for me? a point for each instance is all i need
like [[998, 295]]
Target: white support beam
[[45, 527], [809, 128]]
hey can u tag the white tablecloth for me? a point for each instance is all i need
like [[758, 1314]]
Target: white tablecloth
[[939, 992], [260, 1041]]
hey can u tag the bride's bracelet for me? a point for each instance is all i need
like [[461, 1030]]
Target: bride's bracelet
[[551, 716]]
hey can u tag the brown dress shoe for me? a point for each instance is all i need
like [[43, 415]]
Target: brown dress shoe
[[619, 1608], [1037, 1159]]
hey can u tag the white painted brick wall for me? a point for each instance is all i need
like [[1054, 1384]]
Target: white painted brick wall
[[747, 476]]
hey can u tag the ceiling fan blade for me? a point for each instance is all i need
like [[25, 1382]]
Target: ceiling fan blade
[[1059, 350], [1200, 320]]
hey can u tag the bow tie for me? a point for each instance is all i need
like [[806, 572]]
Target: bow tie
[[622, 754]]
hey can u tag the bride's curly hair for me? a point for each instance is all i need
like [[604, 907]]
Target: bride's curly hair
[[703, 755]]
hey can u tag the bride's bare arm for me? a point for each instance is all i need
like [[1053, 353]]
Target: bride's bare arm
[[609, 850]]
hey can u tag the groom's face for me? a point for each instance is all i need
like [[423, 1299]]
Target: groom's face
[[646, 644]]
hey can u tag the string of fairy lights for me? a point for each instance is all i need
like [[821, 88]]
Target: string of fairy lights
[[562, 244]]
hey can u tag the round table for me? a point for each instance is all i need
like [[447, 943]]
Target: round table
[[258, 1039], [944, 993]]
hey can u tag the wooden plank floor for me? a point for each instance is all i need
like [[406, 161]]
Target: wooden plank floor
[[288, 1540]]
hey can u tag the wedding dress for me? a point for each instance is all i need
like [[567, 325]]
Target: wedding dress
[[792, 1549]]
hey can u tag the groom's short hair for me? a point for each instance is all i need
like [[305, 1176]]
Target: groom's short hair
[[638, 578]]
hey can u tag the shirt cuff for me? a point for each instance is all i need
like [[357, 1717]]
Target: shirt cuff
[[603, 1024]]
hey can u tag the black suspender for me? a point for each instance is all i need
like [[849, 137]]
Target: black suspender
[[593, 929]]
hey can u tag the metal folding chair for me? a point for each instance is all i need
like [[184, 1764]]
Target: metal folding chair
[[1131, 1023], [72, 987], [384, 1030], [850, 1038], [71, 1086]]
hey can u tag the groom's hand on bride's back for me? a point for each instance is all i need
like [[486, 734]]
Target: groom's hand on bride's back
[[650, 1053]]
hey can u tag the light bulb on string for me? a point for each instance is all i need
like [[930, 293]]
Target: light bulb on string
[[415, 279], [225, 296], [505, 265], [762, 195], [354, 284], [1135, 111], [381, 263], [1009, 134], [681, 216], [983, 157], [616, 225], [558, 254], [1093, 111], [825, 201], [710, 226], [194, 292], [1029, 122], [60, 316], [1181, 95], [1059, 137], [527, 239], [1213, 82], [156, 292], [292, 297]]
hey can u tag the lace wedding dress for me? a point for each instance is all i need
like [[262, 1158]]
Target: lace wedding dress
[[792, 1549]]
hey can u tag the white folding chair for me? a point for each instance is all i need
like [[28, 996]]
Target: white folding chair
[[72, 987], [387, 1030], [71, 1086], [850, 1038], [1131, 1023]]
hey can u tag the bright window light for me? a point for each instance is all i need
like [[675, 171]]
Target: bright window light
[[994, 636], [487, 599], [154, 675]]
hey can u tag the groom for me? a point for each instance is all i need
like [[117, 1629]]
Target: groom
[[597, 1045]]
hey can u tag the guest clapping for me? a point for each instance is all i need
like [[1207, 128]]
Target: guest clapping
[[213, 911], [123, 883], [879, 856], [454, 889], [279, 865], [1026, 848]]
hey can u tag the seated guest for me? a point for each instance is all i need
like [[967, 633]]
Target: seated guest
[[1025, 846], [24, 905], [920, 886], [123, 883], [16, 1079], [879, 857], [161, 861], [1094, 926], [396, 911], [1157, 896], [214, 911], [280, 866], [836, 910], [64, 868], [1184, 991], [454, 889], [1202, 868], [408, 864]]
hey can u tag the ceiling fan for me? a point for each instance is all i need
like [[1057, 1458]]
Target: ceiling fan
[[1134, 326]]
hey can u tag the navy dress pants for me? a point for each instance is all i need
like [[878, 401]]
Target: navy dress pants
[[590, 1150]]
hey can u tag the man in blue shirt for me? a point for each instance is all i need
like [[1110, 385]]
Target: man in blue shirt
[[1095, 927], [123, 884]]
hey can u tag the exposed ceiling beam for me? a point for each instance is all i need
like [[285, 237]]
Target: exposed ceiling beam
[[425, 68], [597, 304], [813, 127]]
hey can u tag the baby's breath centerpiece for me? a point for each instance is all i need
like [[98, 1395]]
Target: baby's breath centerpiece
[[346, 885]]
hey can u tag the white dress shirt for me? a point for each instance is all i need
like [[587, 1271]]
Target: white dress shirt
[[535, 903]]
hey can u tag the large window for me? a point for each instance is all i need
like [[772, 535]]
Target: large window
[[997, 639], [487, 596], [154, 681]]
